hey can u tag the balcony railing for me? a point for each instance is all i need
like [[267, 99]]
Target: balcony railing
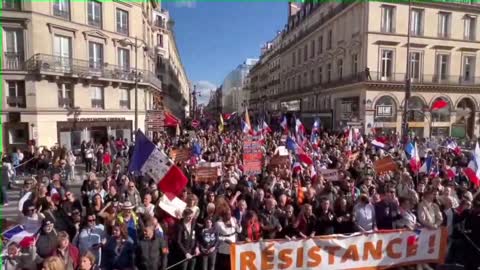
[[61, 13], [65, 102], [125, 104], [16, 101], [160, 24], [43, 63], [97, 103], [13, 61]]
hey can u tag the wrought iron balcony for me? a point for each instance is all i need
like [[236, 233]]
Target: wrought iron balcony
[[97, 103], [13, 61], [16, 101], [125, 104], [65, 102], [44, 63]]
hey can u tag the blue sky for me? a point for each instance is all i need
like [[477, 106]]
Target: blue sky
[[214, 37]]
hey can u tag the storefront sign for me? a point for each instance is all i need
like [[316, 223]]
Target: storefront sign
[[97, 119], [358, 251], [291, 106], [384, 111]]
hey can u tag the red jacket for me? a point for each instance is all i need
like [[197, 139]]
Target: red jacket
[[72, 252]]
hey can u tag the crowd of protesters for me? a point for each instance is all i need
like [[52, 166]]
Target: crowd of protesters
[[117, 224]]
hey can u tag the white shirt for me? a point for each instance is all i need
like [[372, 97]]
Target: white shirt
[[227, 233]]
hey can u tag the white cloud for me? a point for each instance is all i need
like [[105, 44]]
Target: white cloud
[[204, 88], [185, 4]]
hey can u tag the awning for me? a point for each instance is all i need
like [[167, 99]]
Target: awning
[[171, 120]]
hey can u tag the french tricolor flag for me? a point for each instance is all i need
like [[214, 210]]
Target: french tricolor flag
[[284, 123], [266, 128], [246, 128], [20, 236], [149, 160], [379, 144]]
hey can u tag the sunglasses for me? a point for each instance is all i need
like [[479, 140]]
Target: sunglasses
[[131, 186], [68, 194], [31, 209], [91, 220]]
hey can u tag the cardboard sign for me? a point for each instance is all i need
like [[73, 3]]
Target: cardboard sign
[[385, 165], [208, 171], [279, 161], [180, 154], [329, 175], [372, 250]]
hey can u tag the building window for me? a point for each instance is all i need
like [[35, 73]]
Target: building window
[[61, 8], [443, 66], [95, 51], [65, 95], [354, 64], [470, 27], [16, 94], [416, 27], [62, 49], [444, 24], [11, 4], [305, 53], [312, 49], [299, 56], [340, 68], [386, 64], [160, 40], [320, 45], [468, 68], [95, 13], [122, 21], [388, 19], [96, 94], [13, 49], [305, 79], [415, 73], [124, 59], [415, 109], [442, 115], [312, 77], [124, 99], [320, 75], [329, 72], [299, 83], [329, 40], [293, 59]]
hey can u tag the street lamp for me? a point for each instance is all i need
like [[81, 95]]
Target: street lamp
[[135, 73], [408, 81]]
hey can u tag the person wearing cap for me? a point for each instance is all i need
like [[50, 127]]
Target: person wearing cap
[[128, 217], [47, 241]]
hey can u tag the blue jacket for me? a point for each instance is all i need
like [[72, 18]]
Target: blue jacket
[[123, 259]]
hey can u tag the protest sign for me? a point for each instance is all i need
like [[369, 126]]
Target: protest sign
[[358, 251], [180, 154], [279, 161], [384, 165], [252, 157], [208, 171], [329, 175]]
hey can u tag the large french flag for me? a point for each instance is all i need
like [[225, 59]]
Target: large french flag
[[149, 160], [266, 128], [415, 160], [427, 165]]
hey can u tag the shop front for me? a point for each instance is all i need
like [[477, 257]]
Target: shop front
[[72, 132]]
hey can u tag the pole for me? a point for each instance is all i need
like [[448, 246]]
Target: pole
[[136, 86], [407, 76]]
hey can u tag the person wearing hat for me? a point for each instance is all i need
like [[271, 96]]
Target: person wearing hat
[[128, 217]]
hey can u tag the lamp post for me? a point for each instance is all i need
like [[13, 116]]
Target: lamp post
[[136, 75], [408, 81]]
